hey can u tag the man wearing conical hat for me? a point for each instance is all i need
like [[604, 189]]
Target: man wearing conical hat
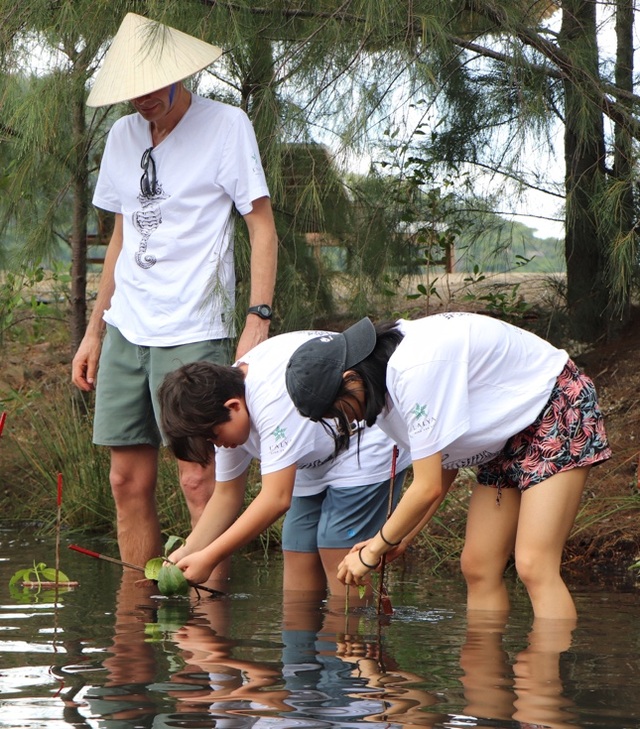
[[172, 172]]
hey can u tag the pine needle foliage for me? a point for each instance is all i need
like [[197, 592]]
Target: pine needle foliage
[[469, 84]]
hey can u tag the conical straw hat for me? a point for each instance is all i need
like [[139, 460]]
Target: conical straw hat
[[145, 56]]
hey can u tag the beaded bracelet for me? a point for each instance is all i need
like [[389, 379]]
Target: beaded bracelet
[[386, 541], [368, 566]]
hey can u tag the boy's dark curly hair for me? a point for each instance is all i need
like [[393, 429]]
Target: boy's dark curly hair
[[192, 404]]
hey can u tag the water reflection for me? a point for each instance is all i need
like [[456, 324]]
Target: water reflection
[[538, 684], [323, 671], [216, 678], [132, 664], [114, 655], [530, 692], [400, 696]]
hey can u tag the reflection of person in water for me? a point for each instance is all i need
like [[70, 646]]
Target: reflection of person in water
[[323, 675], [529, 692], [378, 677], [318, 665], [209, 673], [538, 679], [170, 660], [215, 681], [132, 666]]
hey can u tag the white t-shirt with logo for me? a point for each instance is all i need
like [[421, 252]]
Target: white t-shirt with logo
[[175, 279], [461, 384], [280, 437]]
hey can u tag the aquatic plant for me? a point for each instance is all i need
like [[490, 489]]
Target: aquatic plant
[[171, 581], [38, 576], [43, 575]]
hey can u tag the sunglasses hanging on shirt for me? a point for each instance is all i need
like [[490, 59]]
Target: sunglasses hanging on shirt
[[148, 181]]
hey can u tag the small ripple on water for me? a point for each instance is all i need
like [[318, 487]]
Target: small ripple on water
[[23, 646], [415, 615]]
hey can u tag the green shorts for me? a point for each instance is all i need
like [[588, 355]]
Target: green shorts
[[127, 410]]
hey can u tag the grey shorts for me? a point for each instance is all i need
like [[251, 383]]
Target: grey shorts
[[338, 518], [127, 410]]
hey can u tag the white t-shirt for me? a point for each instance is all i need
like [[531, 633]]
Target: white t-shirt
[[175, 279], [281, 437], [461, 384]]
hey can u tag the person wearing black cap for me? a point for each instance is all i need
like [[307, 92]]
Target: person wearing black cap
[[464, 390], [230, 415]]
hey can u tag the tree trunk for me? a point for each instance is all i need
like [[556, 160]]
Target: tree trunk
[[624, 239], [587, 293], [78, 314]]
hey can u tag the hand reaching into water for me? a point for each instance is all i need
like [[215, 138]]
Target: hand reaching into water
[[178, 554], [358, 563], [196, 567], [361, 561]]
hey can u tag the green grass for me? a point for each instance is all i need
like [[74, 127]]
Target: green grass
[[51, 433]]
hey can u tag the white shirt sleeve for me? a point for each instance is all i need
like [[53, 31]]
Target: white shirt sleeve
[[231, 463], [240, 172]]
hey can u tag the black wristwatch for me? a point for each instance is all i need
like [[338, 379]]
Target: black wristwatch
[[264, 311]]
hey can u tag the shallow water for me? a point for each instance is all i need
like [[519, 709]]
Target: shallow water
[[112, 654]]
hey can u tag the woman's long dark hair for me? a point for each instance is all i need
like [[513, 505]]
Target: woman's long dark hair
[[371, 375]]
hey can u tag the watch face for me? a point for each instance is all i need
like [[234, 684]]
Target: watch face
[[262, 310]]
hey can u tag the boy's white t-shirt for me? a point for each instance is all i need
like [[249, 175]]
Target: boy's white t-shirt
[[280, 437], [175, 279], [461, 384]]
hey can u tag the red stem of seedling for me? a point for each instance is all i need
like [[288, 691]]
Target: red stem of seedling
[[3, 417], [97, 555], [58, 517], [384, 603]]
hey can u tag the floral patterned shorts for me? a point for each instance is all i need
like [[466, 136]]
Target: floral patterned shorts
[[568, 433]]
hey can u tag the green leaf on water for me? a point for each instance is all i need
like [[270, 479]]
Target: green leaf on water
[[152, 568], [172, 542], [48, 574], [171, 581], [20, 576], [38, 573]]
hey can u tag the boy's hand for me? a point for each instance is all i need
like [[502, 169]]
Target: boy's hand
[[178, 554], [196, 567]]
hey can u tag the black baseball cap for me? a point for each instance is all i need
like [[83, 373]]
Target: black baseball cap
[[314, 372]]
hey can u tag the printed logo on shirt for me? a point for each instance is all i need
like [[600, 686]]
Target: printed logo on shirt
[[474, 460], [280, 440], [453, 314], [257, 165], [419, 411], [422, 421], [315, 464], [146, 220]]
